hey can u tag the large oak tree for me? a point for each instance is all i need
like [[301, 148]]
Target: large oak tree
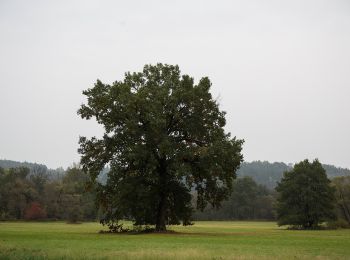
[[164, 138]]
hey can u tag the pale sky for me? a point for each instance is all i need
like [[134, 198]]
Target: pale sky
[[280, 69]]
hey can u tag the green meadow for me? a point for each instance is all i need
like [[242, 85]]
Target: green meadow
[[204, 240]]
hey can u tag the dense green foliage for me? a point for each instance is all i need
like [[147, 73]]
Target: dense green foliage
[[204, 240], [164, 136], [247, 201], [306, 198], [33, 196]]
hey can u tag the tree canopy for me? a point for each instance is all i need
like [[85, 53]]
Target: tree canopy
[[164, 136], [306, 198]]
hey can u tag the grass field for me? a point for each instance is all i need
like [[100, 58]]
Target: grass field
[[204, 240]]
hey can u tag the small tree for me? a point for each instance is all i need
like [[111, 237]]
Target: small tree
[[35, 212], [164, 136], [306, 198], [72, 207]]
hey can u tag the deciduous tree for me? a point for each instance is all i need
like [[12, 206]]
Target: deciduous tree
[[306, 198], [34, 212], [164, 135]]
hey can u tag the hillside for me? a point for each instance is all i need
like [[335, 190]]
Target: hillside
[[262, 172], [34, 168], [269, 174]]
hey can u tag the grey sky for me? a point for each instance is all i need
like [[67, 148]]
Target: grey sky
[[281, 70]]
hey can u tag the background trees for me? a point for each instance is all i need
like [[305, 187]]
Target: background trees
[[342, 194], [164, 136], [248, 200], [305, 196], [78, 202], [35, 212], [33, 195], [16, 192]]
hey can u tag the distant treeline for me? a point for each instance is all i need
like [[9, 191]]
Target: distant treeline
[[262, 172], [248, 201], [32, 191], [34, 168], [33, 194]]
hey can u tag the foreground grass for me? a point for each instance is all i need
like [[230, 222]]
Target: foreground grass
[[204, 240]]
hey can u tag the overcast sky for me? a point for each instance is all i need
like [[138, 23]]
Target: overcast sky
[[281, 70]]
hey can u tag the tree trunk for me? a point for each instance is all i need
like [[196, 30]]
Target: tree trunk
[[161, 211], [160, 223]]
